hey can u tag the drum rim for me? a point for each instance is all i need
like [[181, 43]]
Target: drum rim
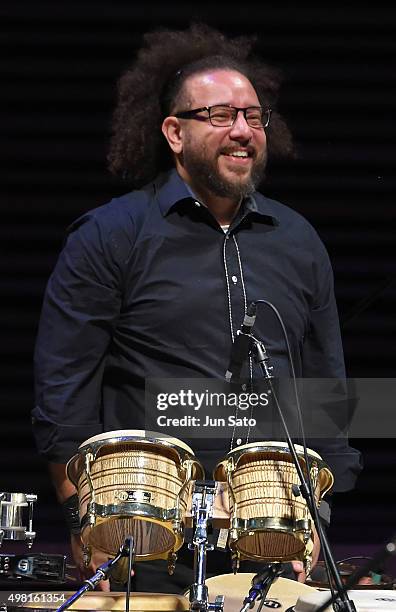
[[263, 446], [129, 435], [74, 467], [252, 447]]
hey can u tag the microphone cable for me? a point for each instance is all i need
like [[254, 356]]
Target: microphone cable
[[308, 484]]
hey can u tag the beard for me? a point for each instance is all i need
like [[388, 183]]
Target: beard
[[205, 172]]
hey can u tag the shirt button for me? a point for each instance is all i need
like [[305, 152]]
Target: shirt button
[[239, 441], [234, 279], [197, 203]]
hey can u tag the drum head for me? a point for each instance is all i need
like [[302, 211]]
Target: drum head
[[235, 588]]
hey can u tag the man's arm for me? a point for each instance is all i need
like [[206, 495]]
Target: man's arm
[[323, 360], [63, 486], [80, 310], [67, 497]]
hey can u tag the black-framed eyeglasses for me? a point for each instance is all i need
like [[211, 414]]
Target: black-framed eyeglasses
[[224, 115]]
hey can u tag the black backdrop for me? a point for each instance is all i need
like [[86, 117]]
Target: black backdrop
[[60, 62]]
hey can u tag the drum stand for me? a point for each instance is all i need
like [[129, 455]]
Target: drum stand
[[202, 508], [12, 506]]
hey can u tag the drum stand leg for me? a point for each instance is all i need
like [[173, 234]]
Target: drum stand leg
[[202, 509]]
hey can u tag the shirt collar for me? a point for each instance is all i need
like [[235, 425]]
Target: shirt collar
[[171, 190]]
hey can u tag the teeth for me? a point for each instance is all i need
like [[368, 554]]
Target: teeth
[[238, 154]]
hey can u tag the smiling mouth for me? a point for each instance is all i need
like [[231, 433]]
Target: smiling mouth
[[238, 154], [241, 154], [239, 158]]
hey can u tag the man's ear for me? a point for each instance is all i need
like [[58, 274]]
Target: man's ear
[[173, 133]]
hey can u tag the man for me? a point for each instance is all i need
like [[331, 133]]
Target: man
[[156, 283]]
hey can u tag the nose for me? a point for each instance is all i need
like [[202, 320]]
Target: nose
[[240, 129]]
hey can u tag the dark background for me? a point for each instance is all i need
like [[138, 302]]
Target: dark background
[[60, 62]]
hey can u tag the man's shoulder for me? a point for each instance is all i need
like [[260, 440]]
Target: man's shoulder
[[125, 212], [128, 206], [282, 213], [133, 207], [290, 222]]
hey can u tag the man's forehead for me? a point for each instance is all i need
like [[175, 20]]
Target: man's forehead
[[218, 81]]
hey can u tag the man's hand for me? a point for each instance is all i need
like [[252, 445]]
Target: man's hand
[[65, 489], [298, 566], [97, 559]]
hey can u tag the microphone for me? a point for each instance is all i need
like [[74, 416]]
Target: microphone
[[102, 573], [261, 584], [241, 346]]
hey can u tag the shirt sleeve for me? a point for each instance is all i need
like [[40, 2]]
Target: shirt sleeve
[[80, 309], [323, 358]]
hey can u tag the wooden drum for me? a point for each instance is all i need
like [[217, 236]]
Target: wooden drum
[[267, 521], [132, 482]]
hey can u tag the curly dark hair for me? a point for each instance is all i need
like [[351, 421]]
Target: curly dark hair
[[151, 88]]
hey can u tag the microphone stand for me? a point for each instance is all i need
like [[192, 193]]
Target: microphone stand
[[344, 604], [102, 573], [130, 549]]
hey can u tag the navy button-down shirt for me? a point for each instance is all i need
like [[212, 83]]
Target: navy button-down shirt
[[149, 285]]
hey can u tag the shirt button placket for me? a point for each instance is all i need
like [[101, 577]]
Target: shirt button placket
[[235, 286]]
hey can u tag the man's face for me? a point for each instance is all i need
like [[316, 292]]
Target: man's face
[[224, 161]]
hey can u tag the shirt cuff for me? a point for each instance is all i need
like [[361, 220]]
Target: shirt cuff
[[58, 442]]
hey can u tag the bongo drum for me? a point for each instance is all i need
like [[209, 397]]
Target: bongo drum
[[268, 522], [133, 482]]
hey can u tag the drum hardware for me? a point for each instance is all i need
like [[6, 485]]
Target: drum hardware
[[261, 584], [36, 566], [102, 573], [91, 516], [12, 507], [86, 554], [172, 558], [202, 509]]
